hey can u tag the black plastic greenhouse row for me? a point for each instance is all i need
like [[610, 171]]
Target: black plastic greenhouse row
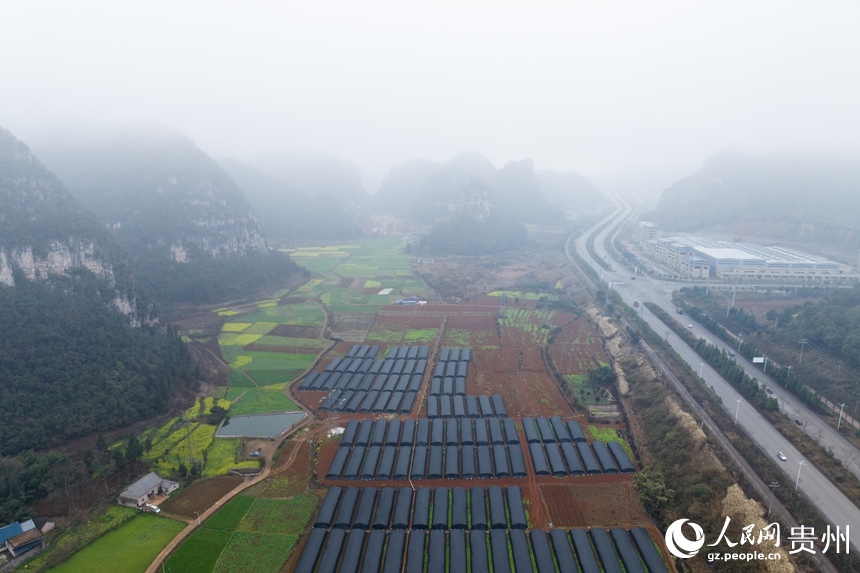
[[367, 380], [400, 463], [425, 432], [360, 361], [448, 386], [462, 551], [459, 406], [451, 369], [552, 430], [579, 458], [424, 508], [373, 401], [455, 354]]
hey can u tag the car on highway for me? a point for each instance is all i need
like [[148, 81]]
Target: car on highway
[[782, 456], [798, 422], [768, 390], [689, 326]]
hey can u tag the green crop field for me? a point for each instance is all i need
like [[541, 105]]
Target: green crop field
[[280, 516], [73, 539], [260, 328], [134, 545], [247, 534], [199, 553], [259, 401], [231, 515], [255, 552]]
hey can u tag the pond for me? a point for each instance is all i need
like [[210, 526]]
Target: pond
[[259, 425]]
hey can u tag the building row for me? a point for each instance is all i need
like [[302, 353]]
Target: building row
[[698, 257]]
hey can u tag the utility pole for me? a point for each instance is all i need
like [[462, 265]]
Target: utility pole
[[841, 406], [803, 341], [799, 467], [701, 367], [789, 372], [737, 410]]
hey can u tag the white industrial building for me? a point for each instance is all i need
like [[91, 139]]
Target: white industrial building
[[697, 257]]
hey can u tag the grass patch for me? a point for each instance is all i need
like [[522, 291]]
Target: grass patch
[[238, 379], [259, 401], [255, 552], [200, 552], [73, 539], [134, 545], [235, 326], [230, 516], [280, 516], [610, 435], [420, 336], [261, 328]]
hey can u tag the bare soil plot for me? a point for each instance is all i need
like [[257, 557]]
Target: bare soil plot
[[589, 501], [293, 331], [200, 495], [351, 326]]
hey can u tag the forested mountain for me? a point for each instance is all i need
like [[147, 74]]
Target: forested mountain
[[191, 234], [779, 197], [46, 234], [71, 361], [285, 212]]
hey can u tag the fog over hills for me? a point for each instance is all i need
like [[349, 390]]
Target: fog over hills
[[799, 198], [190, 231], [421, 188], [288, 214], [313, 174]]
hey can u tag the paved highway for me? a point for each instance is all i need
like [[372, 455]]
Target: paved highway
[[834, 506]]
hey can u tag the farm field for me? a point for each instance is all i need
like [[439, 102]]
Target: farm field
[[134, 544], [273, 341], [200, 494], [251, 532]]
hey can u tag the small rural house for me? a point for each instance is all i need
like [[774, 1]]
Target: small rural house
[[18, 538], [145, 488]]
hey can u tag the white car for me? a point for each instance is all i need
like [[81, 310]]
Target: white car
[[782, 456], [689, 326]]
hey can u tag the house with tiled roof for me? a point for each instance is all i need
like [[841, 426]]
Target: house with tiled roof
[[145, 488]]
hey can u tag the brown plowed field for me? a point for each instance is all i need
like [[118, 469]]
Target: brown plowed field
[[593, 500], [577, 348], [291, 331], [200, 495]]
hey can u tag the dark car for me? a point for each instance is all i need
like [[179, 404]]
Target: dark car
[[798, 422]]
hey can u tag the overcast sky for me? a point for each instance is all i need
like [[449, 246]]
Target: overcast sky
[[606, 88]]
